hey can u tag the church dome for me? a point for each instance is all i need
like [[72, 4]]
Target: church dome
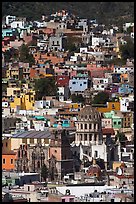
[[94, 170], [89, 113]]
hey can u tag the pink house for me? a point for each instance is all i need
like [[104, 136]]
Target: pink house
[[73, 73], [68, 198], [106, 122], [96, 71]]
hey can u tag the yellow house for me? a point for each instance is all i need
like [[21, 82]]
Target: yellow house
[[7, 74], [74, 105], [26, 101], [110, 106], [117, 50], [14, 91], [116, 164], [14, 142], [13, 73]]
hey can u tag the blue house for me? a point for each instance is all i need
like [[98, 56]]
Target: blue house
[[125, 89], [7, 32], [78, 84], [65, 123]]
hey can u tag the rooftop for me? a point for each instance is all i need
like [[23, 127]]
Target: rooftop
[[33, 134]]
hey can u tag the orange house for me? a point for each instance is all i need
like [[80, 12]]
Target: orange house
[[45, 57], [8, 160], [110, 106]]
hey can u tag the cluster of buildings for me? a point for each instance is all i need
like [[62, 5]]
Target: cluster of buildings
[[87, 148]]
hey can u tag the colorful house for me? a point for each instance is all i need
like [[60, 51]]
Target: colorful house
[[125, 89], [117, 121], [110, 106], [25, 102], [64, 123], [8, 160]]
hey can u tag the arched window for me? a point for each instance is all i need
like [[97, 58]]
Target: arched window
[[38, 164], [90, 137], [90, 126], [95, 137], [80, 137]]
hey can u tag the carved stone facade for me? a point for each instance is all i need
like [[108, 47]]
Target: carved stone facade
[[60, 155], [31, 158]]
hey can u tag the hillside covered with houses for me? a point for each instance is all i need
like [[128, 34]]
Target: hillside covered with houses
[[67, 108]]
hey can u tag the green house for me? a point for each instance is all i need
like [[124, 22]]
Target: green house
[[117, 121]]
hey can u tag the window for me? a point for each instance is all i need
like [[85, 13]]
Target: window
[[114, 122], [53, 42], [80, 137], [80, 84], [73, 82], [94, 126], [24, 140], [96, 153], [85, 126], [63, 200], [11, 161], [71, 200], [90, 137], [38, 141], [31, 140], [84, 82], [4, 161], [6, 144], [124, 183], [57, 42], [95, 137], [85, 137], [81, 126], [90, 126], [55, 151], [113, 106], [119, 123]]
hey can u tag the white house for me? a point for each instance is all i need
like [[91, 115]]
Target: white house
[[18, 24], [123, 70], [100, 87], [97, 41], [124, 103], [10, 19]]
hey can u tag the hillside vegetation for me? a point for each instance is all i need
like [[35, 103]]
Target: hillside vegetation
[[103, 12]]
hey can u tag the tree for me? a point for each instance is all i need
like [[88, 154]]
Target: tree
[[44, 172], [7, 56], [101, 98], [45, 87], [127, 50], [120, 136], [25, 56], [7, 198], [72, 44], [77, 98], [11, 54]]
